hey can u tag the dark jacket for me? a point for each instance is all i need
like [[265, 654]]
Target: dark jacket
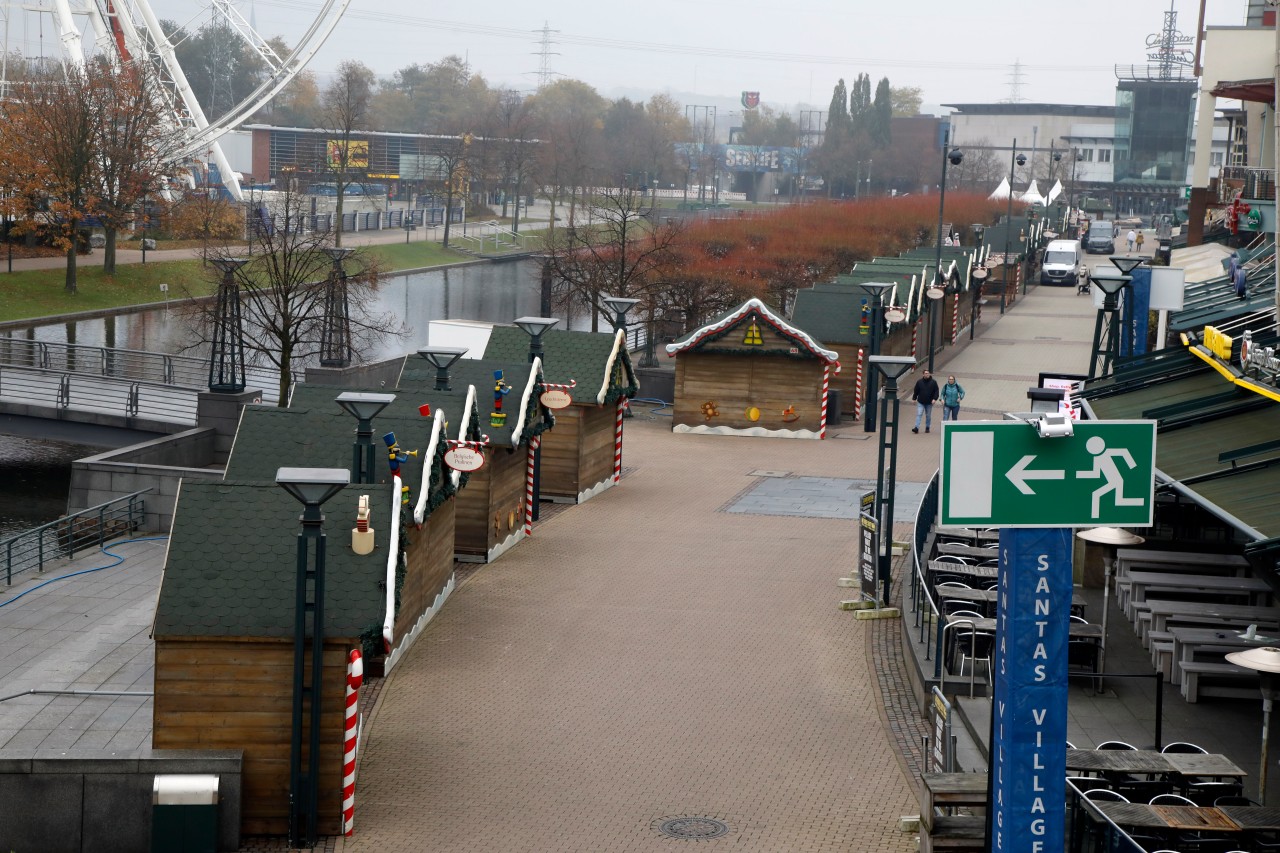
[[926, 391]]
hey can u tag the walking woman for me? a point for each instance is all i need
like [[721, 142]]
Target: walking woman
[[952, 394]]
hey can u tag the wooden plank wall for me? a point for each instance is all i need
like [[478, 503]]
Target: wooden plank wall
[[770, 383], [561, 454], [506, 496], [430, 562], [472, 516], [598, 423], [223, 693]]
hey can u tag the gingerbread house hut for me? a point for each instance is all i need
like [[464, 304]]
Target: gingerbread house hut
[[750, 372]]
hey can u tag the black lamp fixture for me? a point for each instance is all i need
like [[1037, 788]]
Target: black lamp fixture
[[335, 324], [1108, 317], [619, 305], [536, 327], [226, 357], [442, 358], [876, 290], [1021, 160], [977, 276], [364, 407], [1125, 264], [892, 367], [311, 487]]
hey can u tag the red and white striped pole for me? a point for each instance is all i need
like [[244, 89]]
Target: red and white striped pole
[[528, 486], [857, 386], [955, 318], [826, 383], [617, 441], [350, 734], [915, 338]]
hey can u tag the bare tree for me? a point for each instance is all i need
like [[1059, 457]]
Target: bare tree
[[282, 295], [613, 255], [345, 108]]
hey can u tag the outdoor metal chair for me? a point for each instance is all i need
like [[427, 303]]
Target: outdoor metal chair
[[954, 585], [952, 558], [1080, 619], [1184, 747], [1104, 795], [1115, 744], [1169, 800], [1232, 800], [1082, 657], [975, 646]]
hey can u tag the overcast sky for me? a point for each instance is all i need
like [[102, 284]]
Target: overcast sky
[[791, 51]]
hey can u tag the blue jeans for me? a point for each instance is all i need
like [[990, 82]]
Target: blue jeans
[[951, 413], [926, 412]]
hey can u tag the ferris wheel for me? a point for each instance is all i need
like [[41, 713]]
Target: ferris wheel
[[131, 31]]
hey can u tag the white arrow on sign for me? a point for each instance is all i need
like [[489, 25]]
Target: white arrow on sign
[[1018, 475]]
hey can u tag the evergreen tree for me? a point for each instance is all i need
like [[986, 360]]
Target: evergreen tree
[[882, 114]]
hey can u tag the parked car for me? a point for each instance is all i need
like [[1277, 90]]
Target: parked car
[[1061, 264], [1101, 238]]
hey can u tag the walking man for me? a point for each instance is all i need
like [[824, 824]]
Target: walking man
[[952, 394], [925, 393], [1131, 237]]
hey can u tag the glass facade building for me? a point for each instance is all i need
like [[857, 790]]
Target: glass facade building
[[1154, 120]]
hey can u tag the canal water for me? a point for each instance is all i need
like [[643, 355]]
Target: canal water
[[34, 474]]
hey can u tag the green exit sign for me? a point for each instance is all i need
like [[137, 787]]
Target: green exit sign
[[1003, 474]]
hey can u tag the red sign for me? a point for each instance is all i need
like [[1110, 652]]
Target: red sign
[[464, 459], [751, 100], [556, 399]]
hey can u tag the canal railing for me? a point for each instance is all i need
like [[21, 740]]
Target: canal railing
[[31, 550]]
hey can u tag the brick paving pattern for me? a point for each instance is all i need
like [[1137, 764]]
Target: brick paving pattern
[[642, 658]]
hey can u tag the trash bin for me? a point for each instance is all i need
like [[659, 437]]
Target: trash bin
[[184, 813], [1163, 254], [835, 398]]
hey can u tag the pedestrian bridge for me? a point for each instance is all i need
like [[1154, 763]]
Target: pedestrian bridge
[[103, 395]]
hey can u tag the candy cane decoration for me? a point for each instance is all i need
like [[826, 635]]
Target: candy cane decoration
[[350, 735], [552, 386], [915, 336], [955, 318], [451, 443], [826, 379], [617, 441], [528, 486], [857, 386]]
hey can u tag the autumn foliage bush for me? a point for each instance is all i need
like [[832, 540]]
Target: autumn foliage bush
[[716, 264]]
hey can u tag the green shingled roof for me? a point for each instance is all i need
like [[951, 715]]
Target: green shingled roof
[[232, 560], [833, 315], [581, 356], [479, 372]]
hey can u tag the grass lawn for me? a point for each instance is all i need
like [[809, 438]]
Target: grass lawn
[[40, 293]]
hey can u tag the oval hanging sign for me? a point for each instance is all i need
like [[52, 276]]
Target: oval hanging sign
[[895, 315], [554, 398], [464, 459], [935, 293]]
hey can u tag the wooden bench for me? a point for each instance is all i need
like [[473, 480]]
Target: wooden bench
[[959, 833], [1162, 657], [1208, 678]]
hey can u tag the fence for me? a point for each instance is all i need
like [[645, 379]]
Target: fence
[[926, 609], [90, 528]]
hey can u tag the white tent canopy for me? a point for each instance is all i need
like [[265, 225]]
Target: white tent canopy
[[1001, 191], [1054, 193], [1032, 195]]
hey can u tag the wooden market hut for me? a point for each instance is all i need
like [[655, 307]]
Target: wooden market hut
[[750, 372], [493, 510], [581, 457], [225, 615]]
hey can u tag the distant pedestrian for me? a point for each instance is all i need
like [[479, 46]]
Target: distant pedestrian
[[952, 394], [1241, 282], [925, 393], [1132, 237], [1139, 241]]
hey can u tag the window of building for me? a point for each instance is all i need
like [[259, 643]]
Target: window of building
[[1104, 155], [1215, 159]]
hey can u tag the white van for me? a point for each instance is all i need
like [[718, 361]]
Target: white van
[[1061, 265]]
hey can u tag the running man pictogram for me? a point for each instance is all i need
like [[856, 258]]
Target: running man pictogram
[[1104, 466]]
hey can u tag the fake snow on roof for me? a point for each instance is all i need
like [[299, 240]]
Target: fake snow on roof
[[760, 309]]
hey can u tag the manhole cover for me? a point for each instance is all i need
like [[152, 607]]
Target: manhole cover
[[693, 827]]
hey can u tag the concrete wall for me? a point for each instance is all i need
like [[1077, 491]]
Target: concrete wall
[[159, 464], [221, 413], [67, 803], [382, 374], [657, 383]]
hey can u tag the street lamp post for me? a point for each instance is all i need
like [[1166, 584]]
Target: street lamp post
[[893, 367], [977, 275], [335, 328], [1021, 160], [535, 327], [226, 358], [1266, 662], [954, 157], [1109, 317], [311, 487], [364, 408], [876, 291], [619, 305], [442, 358]]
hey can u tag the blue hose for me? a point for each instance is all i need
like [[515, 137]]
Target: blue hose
[[656, 411], [118, 560]]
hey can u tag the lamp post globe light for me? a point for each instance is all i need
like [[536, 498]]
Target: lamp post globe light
[[442, 358], [876, 290], [619, 305], [893, 367], [364, 407], [955, 156], [311, 487], [536, 327]]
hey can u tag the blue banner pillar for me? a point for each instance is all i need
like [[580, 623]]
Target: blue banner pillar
[[1029, 707]]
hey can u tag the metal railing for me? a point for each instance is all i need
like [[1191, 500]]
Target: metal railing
[[31, 549], [926, 609], [138, 365], [1253, 182], [124, 398]]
